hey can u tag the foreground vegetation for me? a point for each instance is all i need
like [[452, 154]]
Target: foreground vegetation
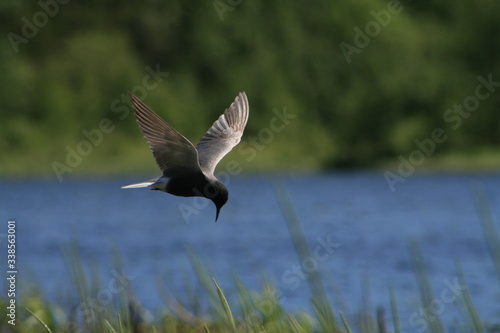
[[62, 76], [254, 311]]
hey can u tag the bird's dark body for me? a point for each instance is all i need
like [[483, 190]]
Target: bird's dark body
[[188, 185], [196, 184]]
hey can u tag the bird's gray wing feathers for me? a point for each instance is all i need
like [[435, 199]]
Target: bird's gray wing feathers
[[224, 134], [174, 153]]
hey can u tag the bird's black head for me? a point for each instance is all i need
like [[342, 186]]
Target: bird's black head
[[220, 198]]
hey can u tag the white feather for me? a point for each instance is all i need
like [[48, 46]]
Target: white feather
[[139, 185]]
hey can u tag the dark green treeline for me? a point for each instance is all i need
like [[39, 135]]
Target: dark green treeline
[[331, 83]]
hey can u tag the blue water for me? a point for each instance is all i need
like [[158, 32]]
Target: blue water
[[368, 225]]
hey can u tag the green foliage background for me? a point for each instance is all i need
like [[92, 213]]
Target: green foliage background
[[65, 78]]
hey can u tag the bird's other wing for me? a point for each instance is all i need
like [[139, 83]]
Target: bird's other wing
[[224, 134], [174, 153]]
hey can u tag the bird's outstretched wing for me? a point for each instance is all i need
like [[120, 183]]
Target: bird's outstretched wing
[[224, 134], [174, 153]]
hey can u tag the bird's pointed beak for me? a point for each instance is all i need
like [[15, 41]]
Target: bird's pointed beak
[[217, 214]]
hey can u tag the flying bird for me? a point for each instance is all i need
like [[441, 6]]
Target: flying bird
[[189, 171]]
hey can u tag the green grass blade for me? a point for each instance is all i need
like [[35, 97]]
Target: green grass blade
[[47, 328], [298, 237], [244, 297], [248, 307], [469, 306], [325, 316], [320, 302], [120, 324], [204, 277], [73, 258], [225, 306], [295, 326], [422, 276], [394, 310], [109, 326], [344, 321], [490, 231]]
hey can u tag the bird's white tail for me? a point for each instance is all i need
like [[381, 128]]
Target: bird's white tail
[[139, 185]]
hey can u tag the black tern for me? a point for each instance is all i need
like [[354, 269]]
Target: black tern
[[189, 171]]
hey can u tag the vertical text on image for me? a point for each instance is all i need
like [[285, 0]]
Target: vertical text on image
[[11, 271]]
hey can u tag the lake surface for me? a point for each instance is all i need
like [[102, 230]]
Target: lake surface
[[366, 224]]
